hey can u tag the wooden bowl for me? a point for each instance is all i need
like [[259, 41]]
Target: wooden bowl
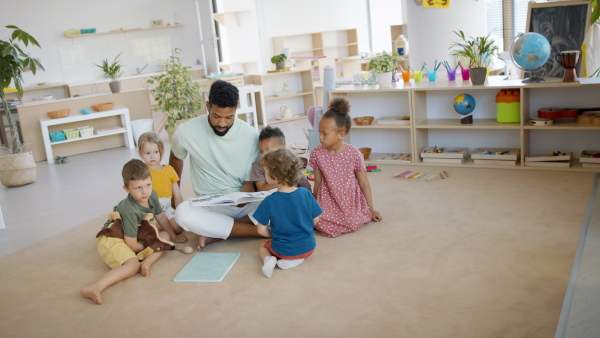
[[59, 113], [103, 106], [363, 120], [366, 152]]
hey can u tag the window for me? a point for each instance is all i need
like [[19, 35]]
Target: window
[[506, 19]]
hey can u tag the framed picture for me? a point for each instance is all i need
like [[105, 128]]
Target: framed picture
[[157, 23], [564, 24]]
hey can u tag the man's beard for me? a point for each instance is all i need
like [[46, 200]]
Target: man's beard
[[219, 133]]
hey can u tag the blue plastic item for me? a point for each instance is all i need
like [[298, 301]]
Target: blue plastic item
[[86, 111]]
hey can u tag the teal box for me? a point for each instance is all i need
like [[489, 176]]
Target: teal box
[[509, 112], [87, 30]]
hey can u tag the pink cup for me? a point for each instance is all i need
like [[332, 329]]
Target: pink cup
[[465, 74]]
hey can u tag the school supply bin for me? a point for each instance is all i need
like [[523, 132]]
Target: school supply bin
[[508, 102]]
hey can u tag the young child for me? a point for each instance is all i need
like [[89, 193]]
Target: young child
[[120, 254], [341, 186], [164, 180], [291, 212], [271, 138]]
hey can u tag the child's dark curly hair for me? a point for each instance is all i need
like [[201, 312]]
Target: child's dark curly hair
[[135, 170], [223, 94], [282, 165], [269, 132], [339, 109]]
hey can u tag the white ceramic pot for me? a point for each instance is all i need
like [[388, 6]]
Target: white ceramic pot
[[384, 79]]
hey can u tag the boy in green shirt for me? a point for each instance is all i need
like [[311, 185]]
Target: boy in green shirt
[[120, 254]]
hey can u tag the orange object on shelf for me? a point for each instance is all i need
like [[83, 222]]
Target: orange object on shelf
[[508, 96]]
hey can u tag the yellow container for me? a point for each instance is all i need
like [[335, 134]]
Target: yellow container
[[508, 102]]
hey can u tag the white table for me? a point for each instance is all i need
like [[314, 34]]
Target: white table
[[123, 112]]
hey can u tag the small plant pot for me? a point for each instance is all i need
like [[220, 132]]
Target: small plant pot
[[280, 65], [384, 79], [115, 87], [478, 75]]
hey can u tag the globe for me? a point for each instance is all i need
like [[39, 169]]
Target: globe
[[464, 104], [530, 52]]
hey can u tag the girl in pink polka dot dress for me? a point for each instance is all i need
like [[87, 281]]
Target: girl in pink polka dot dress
[[341, 186]]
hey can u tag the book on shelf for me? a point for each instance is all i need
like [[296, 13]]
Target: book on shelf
[[495, 162], [393, 120], [396, 157], [590, 165], [110, 130], [504, 154], [233, 198], [590, 156], [549, 164], [548, 157], [207, 267], [444, 152], [443, 160], [415, 176]]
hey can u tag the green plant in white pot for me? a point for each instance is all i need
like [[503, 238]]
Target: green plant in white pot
[[176, 94], [384, 66], [113, 70], [17, 166], [480, 52], [279, 61]]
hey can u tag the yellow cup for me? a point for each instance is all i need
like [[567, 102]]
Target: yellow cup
[[417, 75]]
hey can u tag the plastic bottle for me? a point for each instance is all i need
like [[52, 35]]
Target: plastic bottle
[[402, 45]]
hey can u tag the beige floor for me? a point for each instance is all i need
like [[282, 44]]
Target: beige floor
[[66, 196]]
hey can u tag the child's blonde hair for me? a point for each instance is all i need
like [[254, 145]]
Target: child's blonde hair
[[135, 170], [339, 109], [151, 137], [283, 165]]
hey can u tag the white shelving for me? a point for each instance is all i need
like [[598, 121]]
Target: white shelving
[[125, 122], [435, 123]]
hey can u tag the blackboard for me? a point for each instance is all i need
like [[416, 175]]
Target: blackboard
[[564, 24]]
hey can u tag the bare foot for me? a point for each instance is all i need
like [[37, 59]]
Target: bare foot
[[180, 239], [144, 269], [204, 241], [92, 294]]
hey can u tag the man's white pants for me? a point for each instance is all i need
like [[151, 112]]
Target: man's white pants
[[214, 222]]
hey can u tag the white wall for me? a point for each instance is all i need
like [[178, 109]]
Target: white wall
[[384, 13], [430, 29], [70, 59]]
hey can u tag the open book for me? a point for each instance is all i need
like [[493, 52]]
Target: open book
[[233, 198]]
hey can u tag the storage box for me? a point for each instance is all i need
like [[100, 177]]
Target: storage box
[[590, 156], [71, 133], [509, 106], [86, 131], [88, 30], [72, 32], [56, 136]]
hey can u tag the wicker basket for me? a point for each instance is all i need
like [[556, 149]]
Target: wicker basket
[[59, 113], [17, 169], [363, 120], [103, 106], [366, 152]]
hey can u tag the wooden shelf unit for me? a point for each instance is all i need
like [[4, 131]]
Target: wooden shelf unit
[[300, 81], [435, 123], [124, 31]]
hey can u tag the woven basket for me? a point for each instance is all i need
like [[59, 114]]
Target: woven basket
[[366, 152], [17, 169], [59, 113], [363, 120], [103, 106]]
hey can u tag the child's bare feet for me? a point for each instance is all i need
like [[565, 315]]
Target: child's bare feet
[[204, 241], [180, 239], [144, 269], [91, 293]]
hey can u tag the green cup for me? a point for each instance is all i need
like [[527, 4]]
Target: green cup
[[417, 75]]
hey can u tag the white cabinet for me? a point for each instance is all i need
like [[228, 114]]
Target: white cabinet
[[434, 121], [65, 122]]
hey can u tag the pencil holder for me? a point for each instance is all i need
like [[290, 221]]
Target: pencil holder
[[451, 74], [406, 75], [465, 74], [431, 75], [417, 75]]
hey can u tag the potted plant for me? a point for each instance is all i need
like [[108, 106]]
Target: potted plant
[[113, 71], [384, 66], [279, 60], [479, 51], [176, 94], [17, 167]]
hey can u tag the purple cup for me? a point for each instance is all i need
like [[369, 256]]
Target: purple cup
[[465, 74], [451, 74]]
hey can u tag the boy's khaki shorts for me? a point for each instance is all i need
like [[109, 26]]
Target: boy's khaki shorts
[[114, 251]]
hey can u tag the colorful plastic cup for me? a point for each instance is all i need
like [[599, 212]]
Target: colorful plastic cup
[[432, 74], [406, 75], [465, 74], [451, 74], [417, 75]]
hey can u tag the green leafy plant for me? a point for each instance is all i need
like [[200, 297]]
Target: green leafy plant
[[176, 94], [279, 58], [479, 50], [112, 69], [383, 63], [13, 62], [595, 11]]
